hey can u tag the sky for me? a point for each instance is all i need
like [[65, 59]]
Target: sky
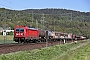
[[77, 5]]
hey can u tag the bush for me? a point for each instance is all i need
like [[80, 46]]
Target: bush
[[1, 33], [10, 33]]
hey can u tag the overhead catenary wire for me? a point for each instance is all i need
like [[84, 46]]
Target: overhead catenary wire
[[12, 3], [4, 6], [15, 4], [32, 11]]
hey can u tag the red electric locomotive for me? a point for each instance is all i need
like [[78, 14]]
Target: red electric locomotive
[[26, 34]]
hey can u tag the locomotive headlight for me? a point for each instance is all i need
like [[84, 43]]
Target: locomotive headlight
[[16, 34], [22, 34]]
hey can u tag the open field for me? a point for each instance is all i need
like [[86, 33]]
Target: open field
[[52, 53], [9, 39]]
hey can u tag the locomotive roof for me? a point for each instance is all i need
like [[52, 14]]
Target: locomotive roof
[[32, 28]]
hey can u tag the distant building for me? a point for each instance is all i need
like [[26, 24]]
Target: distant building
[[7, 30]]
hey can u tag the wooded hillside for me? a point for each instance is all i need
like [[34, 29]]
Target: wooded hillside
[[63, 20]]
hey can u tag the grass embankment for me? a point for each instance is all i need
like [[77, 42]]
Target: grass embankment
[[82, 53], [49, 53]]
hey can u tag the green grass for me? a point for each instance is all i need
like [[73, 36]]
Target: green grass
[[9, 39], [49, 53], [82, 53], [6, 41]]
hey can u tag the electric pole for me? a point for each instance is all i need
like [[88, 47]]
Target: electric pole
[[42, 21], [4, 31], [71, 16], [32, 16], [36, 23]]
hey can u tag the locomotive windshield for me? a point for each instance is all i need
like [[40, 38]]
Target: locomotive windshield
[[19, 29]]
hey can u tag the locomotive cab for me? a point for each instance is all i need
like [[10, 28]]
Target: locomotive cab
[[19, 34]]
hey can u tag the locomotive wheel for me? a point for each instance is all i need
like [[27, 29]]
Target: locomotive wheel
[[19, 41]]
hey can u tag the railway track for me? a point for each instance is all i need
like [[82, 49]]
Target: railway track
[[14, 47]]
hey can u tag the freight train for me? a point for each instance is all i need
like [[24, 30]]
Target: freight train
[[24, 34]]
